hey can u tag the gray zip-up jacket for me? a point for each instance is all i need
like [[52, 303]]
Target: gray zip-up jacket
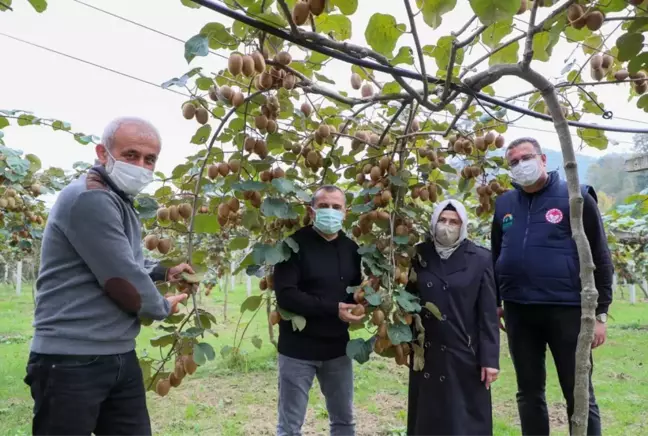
[[94, 282]]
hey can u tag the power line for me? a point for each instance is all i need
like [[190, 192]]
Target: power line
[[129, 76]]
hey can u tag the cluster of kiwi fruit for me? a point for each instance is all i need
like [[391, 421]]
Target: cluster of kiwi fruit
[[270, 175], [257, 146], [426, 192], [223, 169], [579, 17], [485, 193], [364, 137], [436, 159], [600, 65], [228, 211], [175, 213], [266, 122], [192, 109], [284, 223], [254, 197], [377, 173], [266, 282], [153, 242], [639, 82], [276, 76], [184, 364], [304, 8], [313, 159], [366, 90]]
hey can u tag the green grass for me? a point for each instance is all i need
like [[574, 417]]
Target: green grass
[[226, 399]]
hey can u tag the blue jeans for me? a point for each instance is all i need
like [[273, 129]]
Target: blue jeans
[[79, 395], [336, 382]]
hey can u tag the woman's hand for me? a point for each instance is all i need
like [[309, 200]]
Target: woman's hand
[[488, 376]]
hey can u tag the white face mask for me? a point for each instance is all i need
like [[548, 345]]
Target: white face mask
[[447, 234], [526, 173], [129, 178]]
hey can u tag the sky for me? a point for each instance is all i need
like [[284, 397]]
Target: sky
[[54, 86]]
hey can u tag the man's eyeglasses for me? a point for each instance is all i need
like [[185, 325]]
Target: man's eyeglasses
[[526, 157]]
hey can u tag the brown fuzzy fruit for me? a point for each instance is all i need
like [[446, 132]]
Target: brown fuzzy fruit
[[597, 74], [523, 7], [162, 214], [324, 131], [265, 81], [185, 210], [378, 317], [272, 126], [223, 169], [249, 144], [233, 204], [235, 64], [359, 310], [278, 173], [499, 141], [202, 115], [317, 6], [234, 165], [259, 62], [621, 75], [164, 246], [261, 122], [595, 20], [173, 213], [213, 93], [480, 143], [574, 13], [162, 387], [212, 171], [190, 365], [247, 67], [639, 78], [188, 110], [284, 58], [360, 178], [367, 90], [641, 88], [151, 242], [223, 210], [596, 62], [300, 13], [375, 174], [306, 109], [289, 81], [607, 61], [356, 81], [174, 381], [238, 99], [274, 318], [386, 197]]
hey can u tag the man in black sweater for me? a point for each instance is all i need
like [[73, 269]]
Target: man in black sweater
[[313, 283]]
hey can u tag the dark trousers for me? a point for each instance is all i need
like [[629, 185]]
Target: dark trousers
[[530, 328], [79, 395]]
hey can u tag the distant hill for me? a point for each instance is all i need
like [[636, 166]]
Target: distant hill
[[555, 162]]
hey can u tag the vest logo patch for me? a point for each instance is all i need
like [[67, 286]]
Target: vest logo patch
[[507, 221], [554, 216]]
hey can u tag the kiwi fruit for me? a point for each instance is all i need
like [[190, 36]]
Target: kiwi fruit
[[317, 6], [151, 242], [248, 66], [235, 64], [306, 109], [188, 110], [284, 58], [164, 246], [300, 13], [356, 81], [162, 387], [594, 20], [202, 115], [185, 210], [163, 214], [367, 90]]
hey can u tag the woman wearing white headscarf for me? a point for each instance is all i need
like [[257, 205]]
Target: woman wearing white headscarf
[[451, 394]]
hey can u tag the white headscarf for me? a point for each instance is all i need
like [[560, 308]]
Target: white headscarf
[[446, 251]]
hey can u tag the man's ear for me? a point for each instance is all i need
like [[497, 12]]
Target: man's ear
[[311, 212], [102, 154]]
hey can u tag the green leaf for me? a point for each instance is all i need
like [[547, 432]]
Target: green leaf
[[507, 55], [496, 32], [3, 122], [629, 45], [162, 341], [577, 35], [347, 7], [298, 322], [251, 303], [204, 83], [434, 310], [639, 25], [401, 240], [290, 242], [202, 352], [359, 350], [408, 302], [492, 11], [283, 185], [642, 103], [218, 36], [442, 52], [382, 33], [239, 243], [433, 10], [202, 135], [361, 208], [39, 5], [257, 342], [197, 45], [391, 88], [398, 181], [26, 120], [323, 78], [593, 137], [399, 333], [638, 63], [592, 43], [447, 168], [204, 223], [278, 207], [190, 4], [543, 44], [192, 278], [4, 5], [339, 25], [612, 6], [404, 56]]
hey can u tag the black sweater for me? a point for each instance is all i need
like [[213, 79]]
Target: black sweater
[[312, 283]]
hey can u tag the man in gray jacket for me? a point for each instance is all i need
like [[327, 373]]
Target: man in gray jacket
[[93, 286]]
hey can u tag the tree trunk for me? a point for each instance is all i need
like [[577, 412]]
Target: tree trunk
[[271, 336], [644, 288], [225, 283], [249, 285], [589, 293], [18, 276]]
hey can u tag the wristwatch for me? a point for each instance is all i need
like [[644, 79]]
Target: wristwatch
[[602, 317]]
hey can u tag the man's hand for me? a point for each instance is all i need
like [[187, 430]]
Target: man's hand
[[500, 316], [600, 331], [488, 376], [173, 275], [344, 312], [174, 300]]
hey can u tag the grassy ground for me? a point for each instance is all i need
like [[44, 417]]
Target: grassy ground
[[222, 399]]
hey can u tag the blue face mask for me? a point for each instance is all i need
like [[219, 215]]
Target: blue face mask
[[328, 220]]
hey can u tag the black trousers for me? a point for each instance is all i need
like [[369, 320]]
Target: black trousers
[[80, 395], [530, 328]]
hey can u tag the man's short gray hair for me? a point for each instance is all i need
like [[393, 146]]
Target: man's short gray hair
[[520, 141], [108, 137], [327, 188]]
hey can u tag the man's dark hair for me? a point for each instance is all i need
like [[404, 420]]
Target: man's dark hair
[[520, 141], [326, 188]]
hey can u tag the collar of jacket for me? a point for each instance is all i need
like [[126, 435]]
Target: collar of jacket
[[101, 171], [552, 178]]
